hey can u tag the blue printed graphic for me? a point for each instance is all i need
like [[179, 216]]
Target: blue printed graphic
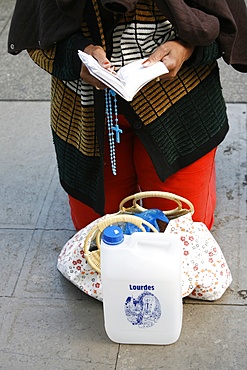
[[144, 311]]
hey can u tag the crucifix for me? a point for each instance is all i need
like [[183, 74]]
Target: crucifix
[[118, 131]]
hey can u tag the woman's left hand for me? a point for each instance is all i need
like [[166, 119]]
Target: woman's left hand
[[173, 54]]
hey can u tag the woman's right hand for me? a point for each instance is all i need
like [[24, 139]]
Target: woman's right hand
[[99, 54]]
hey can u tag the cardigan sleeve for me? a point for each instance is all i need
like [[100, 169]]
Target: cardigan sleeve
[[204, 54], [62, 59]]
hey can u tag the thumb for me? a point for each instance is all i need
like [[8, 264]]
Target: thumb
[[153, 58]]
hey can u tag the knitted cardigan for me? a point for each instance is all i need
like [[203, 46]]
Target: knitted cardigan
[[177, 121]]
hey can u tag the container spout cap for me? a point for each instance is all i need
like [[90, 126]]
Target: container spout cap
[[113, 235]]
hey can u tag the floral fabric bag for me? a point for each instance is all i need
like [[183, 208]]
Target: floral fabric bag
[[205, 273]]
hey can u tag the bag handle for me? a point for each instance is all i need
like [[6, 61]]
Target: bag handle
[[93, 257], [157, 194]]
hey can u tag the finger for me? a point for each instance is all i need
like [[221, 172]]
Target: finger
[[166, 77], [91, 80], [170, 63], [96, 83], [100, 55]]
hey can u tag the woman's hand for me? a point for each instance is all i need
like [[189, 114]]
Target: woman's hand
[[173, 54], [99, 54]]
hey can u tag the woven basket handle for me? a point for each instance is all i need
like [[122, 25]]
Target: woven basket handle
[[97, 230], [156, 194], [93, 257]]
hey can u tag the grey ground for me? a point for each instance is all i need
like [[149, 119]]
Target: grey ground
[[47, 323]]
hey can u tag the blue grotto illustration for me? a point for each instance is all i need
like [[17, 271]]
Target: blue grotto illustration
[[144, 311]]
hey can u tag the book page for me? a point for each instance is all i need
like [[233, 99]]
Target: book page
[[129, 79], [108, 78], [136, 75]]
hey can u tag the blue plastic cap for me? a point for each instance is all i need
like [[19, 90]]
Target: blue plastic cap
[[113, 235]]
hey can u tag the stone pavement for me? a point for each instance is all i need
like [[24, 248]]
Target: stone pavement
[[47, 323]]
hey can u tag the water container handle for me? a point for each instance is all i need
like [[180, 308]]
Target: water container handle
[[93, 257], [178, 211]]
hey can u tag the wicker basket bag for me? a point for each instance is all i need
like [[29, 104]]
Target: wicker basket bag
[[205, 273]]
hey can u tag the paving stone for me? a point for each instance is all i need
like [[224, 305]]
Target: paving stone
[[230, 221], [27, 162], [14, 245], [20, 78], [54, 334], [234, 83], [39, 277], [25, 80], [55, 212], [212, 338], [6, 10]]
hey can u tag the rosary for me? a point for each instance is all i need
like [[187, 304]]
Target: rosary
[[114, 130]]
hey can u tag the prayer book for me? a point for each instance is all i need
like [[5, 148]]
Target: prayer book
[[129, 79]]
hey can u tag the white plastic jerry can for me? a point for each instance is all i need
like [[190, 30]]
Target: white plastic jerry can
[[142, 290]]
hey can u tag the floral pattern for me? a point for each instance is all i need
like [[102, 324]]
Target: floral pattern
[[73, 265], [205, 273]]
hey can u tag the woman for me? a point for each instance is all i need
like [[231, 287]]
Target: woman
[[171, 129]]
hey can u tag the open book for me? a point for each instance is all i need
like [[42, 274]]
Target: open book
[[129, 79]]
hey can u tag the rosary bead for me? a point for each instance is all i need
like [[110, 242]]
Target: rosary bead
[[109, 94]]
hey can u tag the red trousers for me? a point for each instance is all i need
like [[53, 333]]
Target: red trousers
[[135, 172]]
